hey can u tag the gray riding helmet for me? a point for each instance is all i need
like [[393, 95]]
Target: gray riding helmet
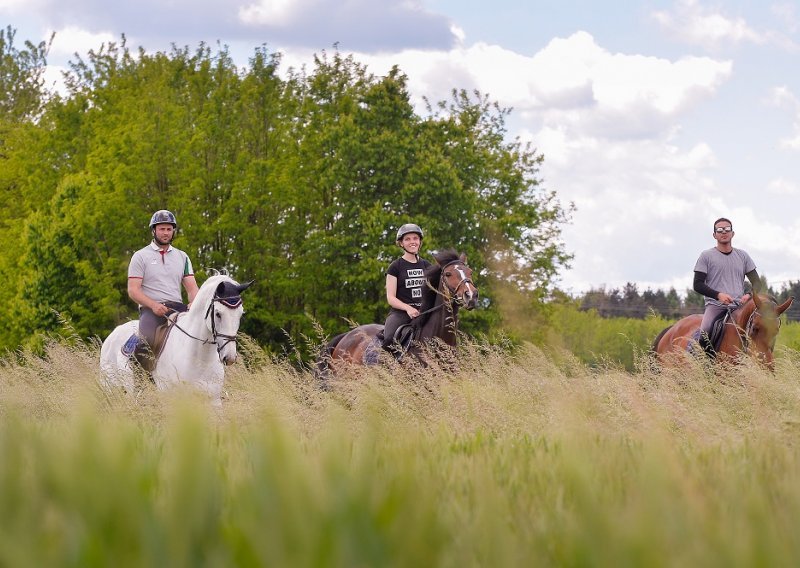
[[409, 228]]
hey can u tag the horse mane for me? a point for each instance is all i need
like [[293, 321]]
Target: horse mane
[[206, 292]]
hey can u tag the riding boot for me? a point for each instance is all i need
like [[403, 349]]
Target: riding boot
[[394, 350], [708, 349], [144, 356]]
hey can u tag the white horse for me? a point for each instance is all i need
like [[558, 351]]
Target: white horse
[[201, 341]]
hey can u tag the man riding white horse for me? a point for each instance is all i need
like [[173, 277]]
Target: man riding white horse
[[155, 275]]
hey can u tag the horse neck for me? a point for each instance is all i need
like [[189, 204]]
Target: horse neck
[[442, 323], [733, 337], [194, 321]]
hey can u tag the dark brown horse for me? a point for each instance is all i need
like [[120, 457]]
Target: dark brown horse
[[448, 287], [751, 330]]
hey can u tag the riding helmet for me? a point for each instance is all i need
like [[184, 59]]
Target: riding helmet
[[163, 216], [409, 228]]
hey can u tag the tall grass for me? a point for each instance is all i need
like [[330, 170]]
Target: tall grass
[[516, 458]]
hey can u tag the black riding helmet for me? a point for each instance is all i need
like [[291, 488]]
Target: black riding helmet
[[163, 216]]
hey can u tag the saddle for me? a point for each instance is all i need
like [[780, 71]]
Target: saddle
[[710, 343], [404, 336], [147, 355]]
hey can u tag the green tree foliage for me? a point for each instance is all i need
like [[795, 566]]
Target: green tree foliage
[[597, 340], [629, 303], [299, 183], [22, 98]]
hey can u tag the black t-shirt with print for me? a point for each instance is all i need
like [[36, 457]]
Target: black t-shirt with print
[[410, 280]]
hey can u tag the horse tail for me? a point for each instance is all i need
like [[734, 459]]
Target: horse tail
[[652, 355], [323, 367]]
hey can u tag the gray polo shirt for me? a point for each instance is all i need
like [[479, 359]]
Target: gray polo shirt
[[725, 272], [161, 272]]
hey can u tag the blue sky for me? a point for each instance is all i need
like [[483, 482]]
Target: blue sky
[[654, 117]]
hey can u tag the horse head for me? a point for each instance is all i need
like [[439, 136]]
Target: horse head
[[223, 316], [759, 323], [453, 278]]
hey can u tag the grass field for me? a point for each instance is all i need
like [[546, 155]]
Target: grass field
[[516, 459]]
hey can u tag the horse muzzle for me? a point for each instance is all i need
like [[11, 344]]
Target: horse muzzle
[[469, 298]]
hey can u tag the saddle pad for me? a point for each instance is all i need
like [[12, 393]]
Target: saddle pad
[[130, 346], [372, 352]]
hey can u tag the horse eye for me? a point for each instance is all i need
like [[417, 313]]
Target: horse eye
[[448, 274], [219, 315]]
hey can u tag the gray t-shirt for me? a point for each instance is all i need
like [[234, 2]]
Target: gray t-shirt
[[725, 272], [162, 272]]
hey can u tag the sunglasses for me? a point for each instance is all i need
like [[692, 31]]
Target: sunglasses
[[723, 230]]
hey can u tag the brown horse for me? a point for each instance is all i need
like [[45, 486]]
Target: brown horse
[[448, 286], [751, 330]]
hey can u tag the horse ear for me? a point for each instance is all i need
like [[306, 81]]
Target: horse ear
[[245, 286], [757, 300], [463, 257], [784, 306]]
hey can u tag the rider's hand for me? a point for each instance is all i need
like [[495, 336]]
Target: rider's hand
[[412, 312], [725, 298], [160, 310]]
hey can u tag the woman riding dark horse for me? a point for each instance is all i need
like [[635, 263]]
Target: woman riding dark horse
[[448, 287], [751, 329]]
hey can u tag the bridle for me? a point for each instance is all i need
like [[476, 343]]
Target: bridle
[[230, 302], [451, 296], [746, 333], [453, 292]]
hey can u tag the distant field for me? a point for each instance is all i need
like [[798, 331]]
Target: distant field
[[528, 458]]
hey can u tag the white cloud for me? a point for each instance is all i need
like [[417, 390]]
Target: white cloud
[[572, 83], [357, 25], [708, 27], [273, 12], [71, 39], [695, 24]]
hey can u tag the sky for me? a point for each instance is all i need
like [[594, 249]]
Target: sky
[[654, 117]]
